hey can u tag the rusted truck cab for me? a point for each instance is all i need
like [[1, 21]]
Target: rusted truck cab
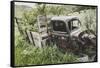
[[63, 29], [67, 34]]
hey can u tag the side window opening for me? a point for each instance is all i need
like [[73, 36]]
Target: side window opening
[[73, 24]]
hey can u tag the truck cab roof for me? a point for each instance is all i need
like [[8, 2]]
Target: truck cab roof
[[64, 18]]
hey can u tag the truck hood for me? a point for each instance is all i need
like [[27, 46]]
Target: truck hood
[[76, 32]]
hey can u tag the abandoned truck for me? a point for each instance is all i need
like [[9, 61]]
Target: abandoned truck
[[67, 31]]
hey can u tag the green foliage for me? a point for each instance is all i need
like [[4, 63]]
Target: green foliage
[[41, 9], [27, 54], [90, 21], [57, 10], [79, 8]]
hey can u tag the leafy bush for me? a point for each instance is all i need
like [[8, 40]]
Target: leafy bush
[[90, 21]]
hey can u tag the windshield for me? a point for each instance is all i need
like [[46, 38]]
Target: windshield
[[58, 25]]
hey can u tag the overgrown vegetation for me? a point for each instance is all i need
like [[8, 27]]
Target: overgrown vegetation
[[27, 54]]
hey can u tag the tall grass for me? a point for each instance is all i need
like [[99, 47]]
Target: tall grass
[[27, 54]]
